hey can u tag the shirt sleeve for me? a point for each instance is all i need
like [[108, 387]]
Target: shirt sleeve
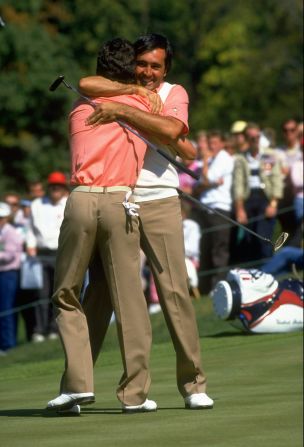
[[176, 105]]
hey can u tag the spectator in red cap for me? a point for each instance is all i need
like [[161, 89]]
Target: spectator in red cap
[[42, 241], [57, 178]]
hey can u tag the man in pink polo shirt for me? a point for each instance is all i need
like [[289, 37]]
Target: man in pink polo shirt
[[106, 161], [161, 227]]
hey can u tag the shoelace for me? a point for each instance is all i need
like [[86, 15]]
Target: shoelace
[[131, 208]]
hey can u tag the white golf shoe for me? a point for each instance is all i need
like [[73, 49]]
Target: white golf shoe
[[68, 400], [147, 406], [198, 401], [73, 411]]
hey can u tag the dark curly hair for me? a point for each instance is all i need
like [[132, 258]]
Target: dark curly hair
[[116, 61]]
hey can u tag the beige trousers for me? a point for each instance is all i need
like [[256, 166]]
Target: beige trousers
[[97, 222], [163, 243]]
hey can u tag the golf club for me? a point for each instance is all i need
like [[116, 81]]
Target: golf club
[[276, 245], [60, 80]]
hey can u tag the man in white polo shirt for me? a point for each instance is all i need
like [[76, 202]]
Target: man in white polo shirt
[[214, 190], [160, 212]]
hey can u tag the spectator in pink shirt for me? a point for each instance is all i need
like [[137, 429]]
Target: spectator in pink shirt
[[10, 258]]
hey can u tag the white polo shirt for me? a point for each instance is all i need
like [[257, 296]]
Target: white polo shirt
[[221, 167], [158, 178], [45, 223]]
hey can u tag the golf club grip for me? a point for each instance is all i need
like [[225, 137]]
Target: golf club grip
[[160, 151]]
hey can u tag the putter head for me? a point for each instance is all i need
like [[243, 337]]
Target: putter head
[[280, 241], [56, 83]]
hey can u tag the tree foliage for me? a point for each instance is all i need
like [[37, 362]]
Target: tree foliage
[[238, 60]]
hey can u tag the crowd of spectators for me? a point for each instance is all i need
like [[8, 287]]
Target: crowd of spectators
[[251, 178], [29, 231], [245, 175]]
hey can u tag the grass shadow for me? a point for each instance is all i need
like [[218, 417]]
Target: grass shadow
[[41, 412], [27, 412], [38, 412], [223, 334], [93, 410]]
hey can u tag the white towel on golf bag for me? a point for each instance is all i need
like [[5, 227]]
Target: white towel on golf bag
[[253, 283]]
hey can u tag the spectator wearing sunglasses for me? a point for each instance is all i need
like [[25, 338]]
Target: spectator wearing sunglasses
[[290, 150]]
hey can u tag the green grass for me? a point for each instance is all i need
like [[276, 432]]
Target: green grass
[[256, 382]]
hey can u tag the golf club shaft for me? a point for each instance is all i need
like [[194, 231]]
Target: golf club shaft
[[229, 219], [86, 98]]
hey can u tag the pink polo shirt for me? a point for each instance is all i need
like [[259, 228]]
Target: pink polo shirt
[[105, 155], [176, 103]]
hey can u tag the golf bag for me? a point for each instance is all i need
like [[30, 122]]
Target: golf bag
[[259, 302]]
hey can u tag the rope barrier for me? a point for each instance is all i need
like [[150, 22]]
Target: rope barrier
[[251, 220], [14, 310], [249, 264], [200, 273]]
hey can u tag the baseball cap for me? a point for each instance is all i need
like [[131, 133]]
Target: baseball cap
[[5, 209], [238, 127], [57, 178]]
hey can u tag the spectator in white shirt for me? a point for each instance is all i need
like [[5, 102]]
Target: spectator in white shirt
[[214, 190], [42, 241]]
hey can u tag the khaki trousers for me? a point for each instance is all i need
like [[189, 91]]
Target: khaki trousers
[[97, 222], [163, 243]]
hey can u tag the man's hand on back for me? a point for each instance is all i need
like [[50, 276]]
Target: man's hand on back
[[153, 98], [109, 111], [106, 112]]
